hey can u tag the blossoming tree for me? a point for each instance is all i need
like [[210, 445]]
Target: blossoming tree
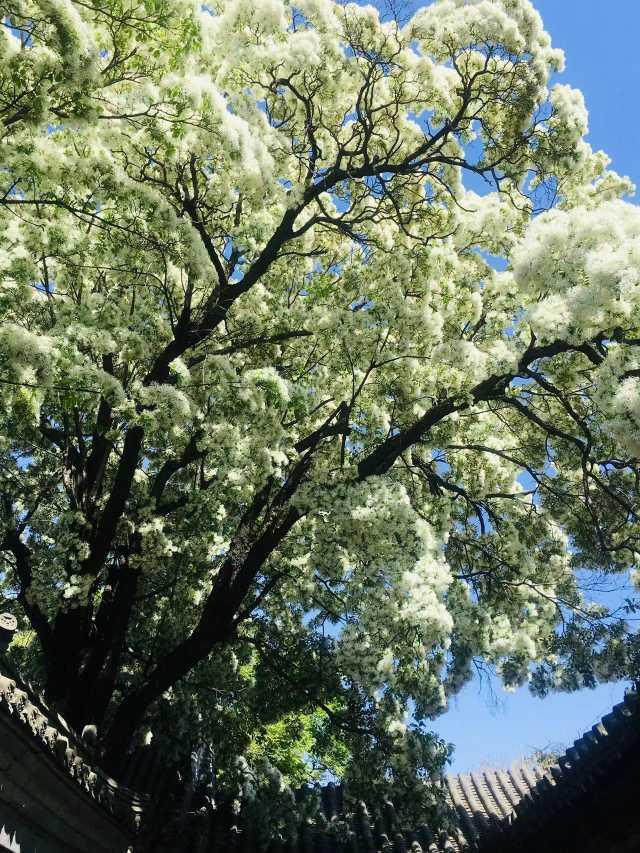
[[318, 363]]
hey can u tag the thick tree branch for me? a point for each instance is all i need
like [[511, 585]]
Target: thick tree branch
[[384, 456]]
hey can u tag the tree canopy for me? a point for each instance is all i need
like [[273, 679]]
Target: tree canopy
[[319, 372]]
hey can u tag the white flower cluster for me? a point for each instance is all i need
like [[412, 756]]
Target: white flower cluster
[[583, 269]]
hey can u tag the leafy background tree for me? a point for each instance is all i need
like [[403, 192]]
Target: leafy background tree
[[283, 453]]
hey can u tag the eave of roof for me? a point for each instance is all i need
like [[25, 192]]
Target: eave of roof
[[59, 746]]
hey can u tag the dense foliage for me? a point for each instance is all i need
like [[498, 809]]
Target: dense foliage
[[319, 373]]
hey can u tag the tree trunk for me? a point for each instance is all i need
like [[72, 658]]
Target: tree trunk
[[83, 668], [130, 713]]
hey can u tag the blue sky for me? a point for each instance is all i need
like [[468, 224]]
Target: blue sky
[[489, 726], [600, 41]]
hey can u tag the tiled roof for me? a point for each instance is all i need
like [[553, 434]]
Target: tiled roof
[[482, 801], [367, 830], [495, 808], [31, 717], [487, 799], [591, 767]]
